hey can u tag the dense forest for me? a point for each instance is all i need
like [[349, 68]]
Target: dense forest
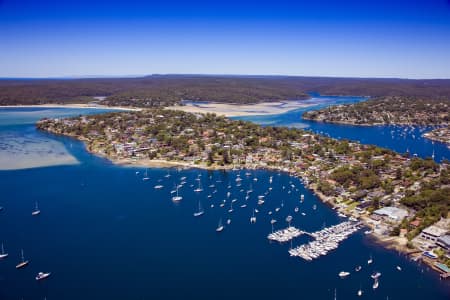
[[162, 90]]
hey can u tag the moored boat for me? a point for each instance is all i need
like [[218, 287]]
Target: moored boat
[[42, 275]]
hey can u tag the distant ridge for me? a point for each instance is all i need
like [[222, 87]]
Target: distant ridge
[[170, 89]]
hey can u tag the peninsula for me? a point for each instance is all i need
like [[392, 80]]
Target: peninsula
[[396, 110], [386, 190]]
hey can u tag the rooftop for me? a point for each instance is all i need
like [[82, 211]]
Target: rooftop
[[434, 230], [394, 213]]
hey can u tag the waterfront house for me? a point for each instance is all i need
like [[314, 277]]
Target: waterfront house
[[432, 233], [444, 242]]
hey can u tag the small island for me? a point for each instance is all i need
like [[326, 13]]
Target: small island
[[393, 110], [390, 192]]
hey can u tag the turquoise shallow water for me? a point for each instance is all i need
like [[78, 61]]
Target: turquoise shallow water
[[104, 233]]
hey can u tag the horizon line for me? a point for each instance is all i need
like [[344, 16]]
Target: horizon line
[[131, 76]]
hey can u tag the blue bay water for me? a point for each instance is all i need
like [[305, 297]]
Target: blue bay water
[[104, 233]]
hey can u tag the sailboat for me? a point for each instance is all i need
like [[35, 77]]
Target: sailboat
[[370, 260], [23, 262], [145, 178], [253, 218], [199, 188], [200, 210], [220, 226], [360, 292], [42, 275], [36, 210], [177, 197], [375, 284], [3, 254], [231, 207]]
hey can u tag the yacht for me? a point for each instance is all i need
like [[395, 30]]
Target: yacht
[[200, 211], [360, 292], [220, 226], [343, 274], [177, 197], [375, 284], [228, 221], [42, 275], [145, 178], [399, 268], [199, 188], [296, 209], [36, 210], [302, 197], [158, 187], [253, 218], [231, 207], [23, 262], [3, 254], [375, 275], [370, 260], [358, 268]]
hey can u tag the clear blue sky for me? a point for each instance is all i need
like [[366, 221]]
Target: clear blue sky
[[373, 38]]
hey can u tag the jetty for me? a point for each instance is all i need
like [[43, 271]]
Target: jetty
[[325, 241], [285, 235]]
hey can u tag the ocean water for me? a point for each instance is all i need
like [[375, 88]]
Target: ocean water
[[104, 233]]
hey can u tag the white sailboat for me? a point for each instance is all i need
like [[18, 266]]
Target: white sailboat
[[3, 254], [370, 260], [145, 178], [23, 262], [199, 188], [375, 284], [219, 226], [200, 210], [177, 197], [343, 274], [42, 275], [253, 218], [36, 210]]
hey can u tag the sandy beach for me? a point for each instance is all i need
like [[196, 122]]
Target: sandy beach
[[234, 110]]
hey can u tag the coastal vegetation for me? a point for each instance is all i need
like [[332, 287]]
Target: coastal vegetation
[[357, 178], [387, 111], [168, 90]]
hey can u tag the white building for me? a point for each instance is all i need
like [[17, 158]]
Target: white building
[[432, 233], [393, 213]]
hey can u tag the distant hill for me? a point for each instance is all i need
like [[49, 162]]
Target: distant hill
[[162, 90]]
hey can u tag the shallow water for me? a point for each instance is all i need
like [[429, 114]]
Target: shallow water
[[23, 147]]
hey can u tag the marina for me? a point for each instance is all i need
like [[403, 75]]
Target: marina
[[326, 240]]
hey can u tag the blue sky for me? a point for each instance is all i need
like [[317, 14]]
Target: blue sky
[[395, 38]]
